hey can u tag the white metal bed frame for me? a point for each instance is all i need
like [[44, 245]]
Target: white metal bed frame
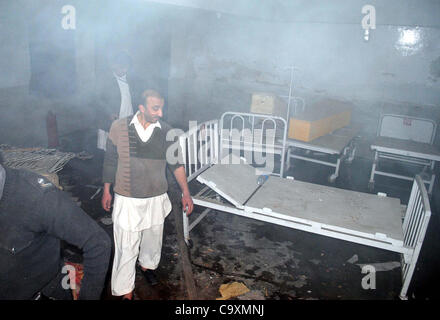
[[200, 151], [390, 144], [338, 143], [252, 135]]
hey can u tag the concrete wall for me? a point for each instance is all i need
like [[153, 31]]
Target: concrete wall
[[391, 12], [23, 115], [218, 55], [218, 60], [15, 64], [120, 25]]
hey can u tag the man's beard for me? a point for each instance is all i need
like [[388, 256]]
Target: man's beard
[[150, 119]]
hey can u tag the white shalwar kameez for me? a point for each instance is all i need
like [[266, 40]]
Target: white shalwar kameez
[[137, 230], [125, 110]]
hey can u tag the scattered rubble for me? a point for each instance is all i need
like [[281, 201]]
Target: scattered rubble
[[233, 289]]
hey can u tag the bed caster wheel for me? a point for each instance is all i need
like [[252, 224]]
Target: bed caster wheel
[[332, 178], [371, 186], [189, 244]]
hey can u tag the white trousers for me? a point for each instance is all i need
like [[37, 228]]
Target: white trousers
[[129, 246]]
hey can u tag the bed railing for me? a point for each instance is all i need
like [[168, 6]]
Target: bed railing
[[415, 224], [254, 134], [199, 148], [407, 128]]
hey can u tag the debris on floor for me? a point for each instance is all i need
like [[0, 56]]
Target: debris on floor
[[315, 261], [300, 282], [252, 295], [83, 155], [274, 262], [39, 160], [233, 289], [99, 189], [107, 221], [353, 259]]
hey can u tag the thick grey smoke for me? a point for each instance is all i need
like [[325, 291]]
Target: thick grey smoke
[[208, 57]]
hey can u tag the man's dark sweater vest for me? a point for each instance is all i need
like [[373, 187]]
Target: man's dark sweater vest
[[137, 168]]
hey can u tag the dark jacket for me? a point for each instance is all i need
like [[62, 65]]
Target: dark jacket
[[34, 217], [108, 99]]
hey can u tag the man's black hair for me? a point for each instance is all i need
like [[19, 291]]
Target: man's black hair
[[141, 97], [1, 158]]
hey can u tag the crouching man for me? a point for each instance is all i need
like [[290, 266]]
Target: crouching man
[[34, 217]]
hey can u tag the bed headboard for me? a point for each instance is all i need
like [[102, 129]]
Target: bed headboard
[[407, 128], [415, 224], [199, 148], [251, 135]]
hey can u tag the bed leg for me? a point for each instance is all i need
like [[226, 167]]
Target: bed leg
[[373, 170], [403, 297], [352, 155], [332, 177], [405, 281], [403, 292], [189, 243], [431, 184]]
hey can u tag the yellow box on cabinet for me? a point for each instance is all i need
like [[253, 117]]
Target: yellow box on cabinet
[[319, 119], [267, 103]]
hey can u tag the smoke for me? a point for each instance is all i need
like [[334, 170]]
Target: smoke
[[208, 57]]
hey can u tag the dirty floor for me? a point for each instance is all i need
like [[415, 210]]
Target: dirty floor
[[273, 262]]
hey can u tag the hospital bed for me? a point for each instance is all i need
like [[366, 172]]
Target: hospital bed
[[256, 137], [337, 145], [408, 140], [372, 220]]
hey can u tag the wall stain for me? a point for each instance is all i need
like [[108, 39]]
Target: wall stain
[[434, 69]]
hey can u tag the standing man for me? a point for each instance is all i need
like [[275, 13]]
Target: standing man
[[135, 162], [34, 217], [115, 92]]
